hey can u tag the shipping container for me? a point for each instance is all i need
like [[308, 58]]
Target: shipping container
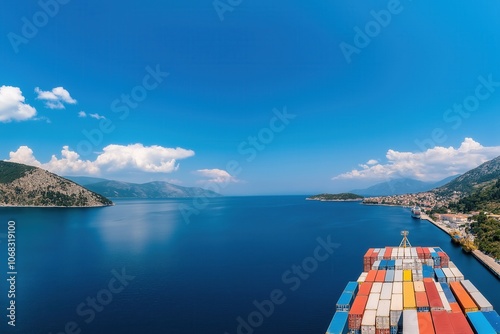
[[449, 295], [396, 308], [425, 325], [427, 253], [463, 298], [438, 286], [455, 308], [397, 287], [381, 253], [368, 322], [345, 301], [399, 264], [398, 275], [362, 277], [481, 301], [382, 331], [407, 253], [391, 264], [444, 301], [408, 296], [376, 288], [479, 323], [410, 322], [421, 301], [413, 253], [468, 286], [356, 312], [440, 276], [494, 319], [407, 275], [458, 274], [376, 265], [428, 271], [419, 286], [389, 275], [394, 254], [382, 319], [352, 287], [364, 289], [382, 265], [401, 253], [449, 275], [444, 259], [433, 295], [420, 253], [442, 322], [338, 325], [372, 302], [371, 276], [451, 264], [380, 276], [460, 324], [386, 292], [388, 253]]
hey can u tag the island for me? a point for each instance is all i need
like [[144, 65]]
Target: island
[[342, 197]]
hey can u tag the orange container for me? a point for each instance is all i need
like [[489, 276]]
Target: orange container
[[422, 302], [455, 308], [371, 276], [425, 325], [356, 312], [460, 324], [388, 253], [380, 276], [364, 289], [442, 322], [464, 300]]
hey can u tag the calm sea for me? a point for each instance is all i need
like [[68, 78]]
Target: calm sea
[[238, 265]]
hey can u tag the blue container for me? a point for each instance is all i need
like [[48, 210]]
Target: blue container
[[352, 287], [440, 276], [391, 264], [383, 265], [494, 319], [394, 329], [389, 275], [447, 292], [345, 301], [479, 323], [427, 271], [338, 325], [437, 249]]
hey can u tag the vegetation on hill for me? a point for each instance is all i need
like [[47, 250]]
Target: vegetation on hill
[[487, 232], [336, 197], [11, 171], [486, 198]]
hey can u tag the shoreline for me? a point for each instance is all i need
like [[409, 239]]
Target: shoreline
[[485, 260]]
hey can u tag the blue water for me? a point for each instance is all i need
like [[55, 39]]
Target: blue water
[[201, 275]]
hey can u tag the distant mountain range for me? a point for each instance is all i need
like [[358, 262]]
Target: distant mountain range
[[22, 185], [401, 186], [156, 189]]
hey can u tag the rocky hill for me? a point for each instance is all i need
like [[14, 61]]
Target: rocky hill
[[22, 185]]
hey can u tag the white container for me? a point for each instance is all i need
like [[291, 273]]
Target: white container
[[469, 286], [376, 265], [481, 301], [410, 322], [458, 274], [446, 304], [419, 286], [414, 254], [429, 262], [438, 287], [381, 254], [368, 322], [386, 292], [401, 253], [397, 287], [398, 275], [407, 253], [382, 320], [376, 287], [372, 302], [394, 254], [399, 264], [362, 277], [449, 275], [451, 265], [396, 308]]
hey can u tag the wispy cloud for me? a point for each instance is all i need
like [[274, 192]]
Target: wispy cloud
[[55, 98], [12, 106], [216, 176], [135, 157], [431, 165], [83, 114]]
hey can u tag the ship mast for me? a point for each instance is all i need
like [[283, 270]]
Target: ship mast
[[405, 242]]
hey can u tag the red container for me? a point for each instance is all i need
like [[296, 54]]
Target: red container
[[388, 253], [371, 276], [356, 313], [427, 253], [420, 253], [422, 302], [442, 323], [435, 302], [445, 259], [460, 324], [425, 325], [383, 331], [380, 276], [364, 289]]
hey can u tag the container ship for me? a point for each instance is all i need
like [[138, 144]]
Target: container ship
[[412, 290], [416, 212]]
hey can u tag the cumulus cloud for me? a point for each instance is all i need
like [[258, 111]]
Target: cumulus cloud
[[135, 157], [12, 106], [431, 165], [216, 176], [372, 162], [55, 98], [83, 114]]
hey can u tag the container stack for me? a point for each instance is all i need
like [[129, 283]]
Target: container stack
[[412, 290]]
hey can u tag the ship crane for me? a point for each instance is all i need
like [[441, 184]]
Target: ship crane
[[405, 242]]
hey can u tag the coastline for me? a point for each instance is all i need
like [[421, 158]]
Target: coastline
[[484, 259], [54, 206]]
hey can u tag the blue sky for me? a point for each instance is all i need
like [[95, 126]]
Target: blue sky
[[251, 97]]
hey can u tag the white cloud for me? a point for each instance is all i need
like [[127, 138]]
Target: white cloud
[[55, 98], [372, 162], [136, 157], [12, 106], [431, 165], [216, 175], [83, 114]]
